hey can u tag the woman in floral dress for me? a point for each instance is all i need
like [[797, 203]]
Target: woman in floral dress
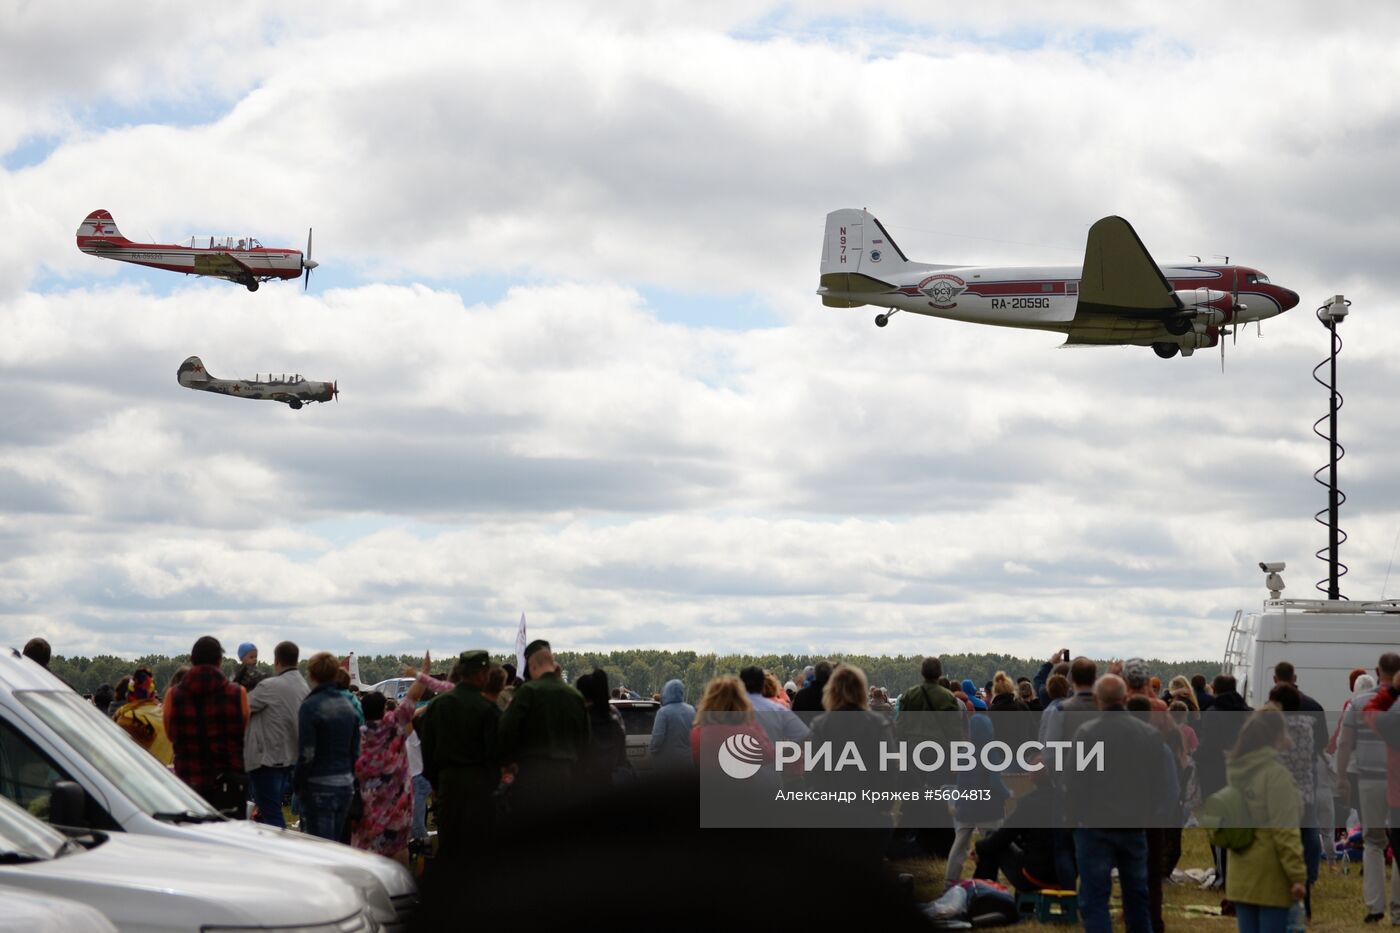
[[386, 791]]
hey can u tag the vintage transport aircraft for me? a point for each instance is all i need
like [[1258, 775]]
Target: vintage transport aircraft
[[239, 259], [1120, 296], [294, 392]]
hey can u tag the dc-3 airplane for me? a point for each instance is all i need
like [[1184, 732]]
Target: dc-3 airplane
[[239, 259], [1120, 296], [294, 392]]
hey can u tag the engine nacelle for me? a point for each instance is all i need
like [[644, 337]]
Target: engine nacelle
[[1199, 337], [1205, 298]]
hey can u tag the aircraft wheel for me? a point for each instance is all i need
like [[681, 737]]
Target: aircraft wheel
[[1166, 350], [881, 320], [295, 403], [1176, 326], [253, 285]]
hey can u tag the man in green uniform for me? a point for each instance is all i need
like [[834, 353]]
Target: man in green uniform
[[461, 759], [544, 732]]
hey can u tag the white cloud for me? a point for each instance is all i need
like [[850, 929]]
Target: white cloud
[[564, 446]]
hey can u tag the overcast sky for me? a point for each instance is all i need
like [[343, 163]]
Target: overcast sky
[[568, 259]]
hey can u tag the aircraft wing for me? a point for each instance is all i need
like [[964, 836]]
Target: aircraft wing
[[1120, 276], [220, 264]]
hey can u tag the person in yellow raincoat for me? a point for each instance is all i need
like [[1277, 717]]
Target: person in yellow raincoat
[[142, 717]]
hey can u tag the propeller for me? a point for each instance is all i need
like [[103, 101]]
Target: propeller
[[308, 263], [335, 390]]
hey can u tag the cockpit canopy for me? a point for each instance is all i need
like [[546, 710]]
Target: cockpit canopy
[[223, 242]]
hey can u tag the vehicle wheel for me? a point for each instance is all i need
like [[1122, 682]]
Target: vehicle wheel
[[881, 320], [1166, 350], [295, 403], [253, 285], [1176, 326]]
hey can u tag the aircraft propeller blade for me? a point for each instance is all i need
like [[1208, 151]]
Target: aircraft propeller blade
[[307, 262]]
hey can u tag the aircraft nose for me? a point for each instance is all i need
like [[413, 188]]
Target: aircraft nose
[[1290, 298]]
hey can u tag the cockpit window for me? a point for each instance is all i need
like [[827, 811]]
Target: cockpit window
[[1253, 277]]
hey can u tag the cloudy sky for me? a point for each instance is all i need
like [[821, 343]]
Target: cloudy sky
[[568, 254]]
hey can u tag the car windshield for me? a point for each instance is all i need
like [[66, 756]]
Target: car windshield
[[103, 744], [24, 837]]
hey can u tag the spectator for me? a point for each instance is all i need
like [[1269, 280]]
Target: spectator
[[880, 701], [974, 697], [544, 732], [1204, 698], [328, 739], [1219, 729], [38, 650], [774, 691], [205, 723], [1096, 798], [1360, 751], [382, 776], [928, 713], [270, 747], [972, 812], [143, 718], [848, 719], [248, 676], [118, 695], [1057, 690], [670, 731], [605, 758], [809, 699], [1028, 697], [347, 690], [778, 721], [102, 697], [1026, 852], [1297, 756], [461, 757], [1269, 875], [724, 711], [495, 683]]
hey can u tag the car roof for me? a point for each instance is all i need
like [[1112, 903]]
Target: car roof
[[618, 702], [20, 673]]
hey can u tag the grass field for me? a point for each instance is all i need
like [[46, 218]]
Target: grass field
[[1336, 898]]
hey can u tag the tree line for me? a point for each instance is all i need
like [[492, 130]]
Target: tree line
[[642, 670]]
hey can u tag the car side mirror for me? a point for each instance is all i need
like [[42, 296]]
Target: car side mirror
[[68, 805]]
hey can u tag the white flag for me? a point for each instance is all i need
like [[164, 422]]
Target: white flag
[[520, 648]]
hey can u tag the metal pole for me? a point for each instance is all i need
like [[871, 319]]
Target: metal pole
[[1333, 544]]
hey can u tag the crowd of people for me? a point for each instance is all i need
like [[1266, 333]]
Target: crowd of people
[[488, 747]]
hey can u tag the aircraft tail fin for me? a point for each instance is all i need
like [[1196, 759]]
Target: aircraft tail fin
[[192, 372], [97, 228], [858, 255]]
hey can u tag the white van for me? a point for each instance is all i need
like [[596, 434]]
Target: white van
[[1323, 639], [48, 734]]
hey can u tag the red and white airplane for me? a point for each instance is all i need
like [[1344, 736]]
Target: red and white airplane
[[1119, 296], [239, 259]]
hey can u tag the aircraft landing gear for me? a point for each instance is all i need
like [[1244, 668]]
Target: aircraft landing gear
[[882, 319], [1176, 326], [1166, 350], [252, 285], [294, 403]]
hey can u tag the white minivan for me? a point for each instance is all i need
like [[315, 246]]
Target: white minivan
[[49, 734]]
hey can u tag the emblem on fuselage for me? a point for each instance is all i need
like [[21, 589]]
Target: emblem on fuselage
[[943, 289]]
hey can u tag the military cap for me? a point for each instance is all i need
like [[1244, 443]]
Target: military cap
[[473, 661]]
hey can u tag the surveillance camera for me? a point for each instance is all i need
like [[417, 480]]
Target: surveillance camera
[[1277, 566]]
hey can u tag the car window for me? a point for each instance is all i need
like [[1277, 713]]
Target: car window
[[26, 774], [638, 720], [21, 834], [113, 753]]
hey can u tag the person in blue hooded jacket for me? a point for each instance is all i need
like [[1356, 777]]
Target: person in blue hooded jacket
[[970, 813], [670, 732]]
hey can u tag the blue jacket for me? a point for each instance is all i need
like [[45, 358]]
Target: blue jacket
[[670, 732], [328, 738]]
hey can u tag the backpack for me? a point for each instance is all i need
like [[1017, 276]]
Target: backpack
[[1224, 817]]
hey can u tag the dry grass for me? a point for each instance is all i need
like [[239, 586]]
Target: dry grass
[[1336, 899]]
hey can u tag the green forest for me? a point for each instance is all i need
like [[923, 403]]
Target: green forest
[[642, 670]]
